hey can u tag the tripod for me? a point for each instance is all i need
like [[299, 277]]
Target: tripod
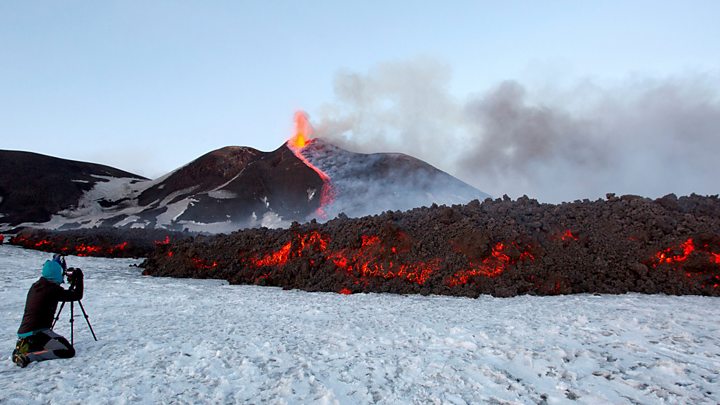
[[72, 318]]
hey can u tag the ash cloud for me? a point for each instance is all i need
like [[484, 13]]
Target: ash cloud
[[643, 136]]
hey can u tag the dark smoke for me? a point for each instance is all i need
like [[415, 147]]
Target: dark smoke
[[646, 137]]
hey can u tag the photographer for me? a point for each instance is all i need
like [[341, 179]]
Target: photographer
[[36, 340]]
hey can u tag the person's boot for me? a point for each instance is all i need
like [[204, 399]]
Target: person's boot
[[20, 359], [19, 356]]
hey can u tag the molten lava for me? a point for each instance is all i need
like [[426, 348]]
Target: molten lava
[[80, 250], [163, 242], [373, 259], [203, 264], [677, 255], [491, 266], [303, 243], [568, 235], [377, 259], [303, 130], [672, 255], [277, 258]]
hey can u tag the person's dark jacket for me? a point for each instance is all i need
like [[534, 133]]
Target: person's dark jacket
[[41, 303]]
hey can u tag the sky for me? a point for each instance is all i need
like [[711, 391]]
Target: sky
[[149, 86]]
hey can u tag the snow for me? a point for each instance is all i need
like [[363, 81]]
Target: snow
[[270, 219], [222, 194], [212, 227], [173, 211], [168, 340]]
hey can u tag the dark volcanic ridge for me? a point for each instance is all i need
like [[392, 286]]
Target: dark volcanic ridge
[[498, 247], [222, 191], [33, 187]]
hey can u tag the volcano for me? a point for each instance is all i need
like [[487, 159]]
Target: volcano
[[227, 189]]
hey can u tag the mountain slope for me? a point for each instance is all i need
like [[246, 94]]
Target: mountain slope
[[224, 190], [35, 186], [366, 184]]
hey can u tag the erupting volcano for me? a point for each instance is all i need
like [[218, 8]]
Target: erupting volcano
[[303, 130], [227, 189]]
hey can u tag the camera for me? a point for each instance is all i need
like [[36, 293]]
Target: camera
[[72, 274]]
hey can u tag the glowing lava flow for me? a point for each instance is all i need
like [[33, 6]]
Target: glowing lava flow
[[203, 264], [375, 259], [568, 235], [303, 242], [303, 130], [676, 256], [492, 266], [81, 250], [667, 256]]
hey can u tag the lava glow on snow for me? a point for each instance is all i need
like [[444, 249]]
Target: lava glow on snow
[[299, 141]]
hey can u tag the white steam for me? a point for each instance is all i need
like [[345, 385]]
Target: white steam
[[646, 137]]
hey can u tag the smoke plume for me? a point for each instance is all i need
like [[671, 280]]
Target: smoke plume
[[648, 137]]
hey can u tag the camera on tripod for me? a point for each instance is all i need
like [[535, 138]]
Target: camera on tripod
[[72, 275]]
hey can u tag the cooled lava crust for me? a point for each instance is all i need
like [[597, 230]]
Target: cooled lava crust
[[500, 247]]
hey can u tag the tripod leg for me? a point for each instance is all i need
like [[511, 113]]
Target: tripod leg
[[72, 321], [87, 319], [58, 314]]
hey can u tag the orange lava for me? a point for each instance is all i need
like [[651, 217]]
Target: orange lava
[[373, 259], [492, 266], [302, 243], [568, 235], [203, 264], [377, 259], [87, 250], [303, 130], [279, 257], [670, 255], [163, 242], [80, 250]]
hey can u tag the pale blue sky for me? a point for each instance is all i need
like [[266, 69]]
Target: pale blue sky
[[147, 86]]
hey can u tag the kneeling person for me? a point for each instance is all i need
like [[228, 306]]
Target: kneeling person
[[36, 340]]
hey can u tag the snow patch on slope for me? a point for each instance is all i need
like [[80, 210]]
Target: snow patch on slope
[[222, 194]]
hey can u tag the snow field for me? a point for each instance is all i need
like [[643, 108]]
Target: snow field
[[203, 341]]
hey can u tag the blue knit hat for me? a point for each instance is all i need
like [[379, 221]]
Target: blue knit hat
[[52, 271]]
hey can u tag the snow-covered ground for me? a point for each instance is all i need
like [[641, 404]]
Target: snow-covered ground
[[203, 341]]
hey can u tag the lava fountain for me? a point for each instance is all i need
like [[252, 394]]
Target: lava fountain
[[298, 145]]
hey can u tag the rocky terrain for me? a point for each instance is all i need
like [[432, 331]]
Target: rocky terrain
[[501, 247]]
